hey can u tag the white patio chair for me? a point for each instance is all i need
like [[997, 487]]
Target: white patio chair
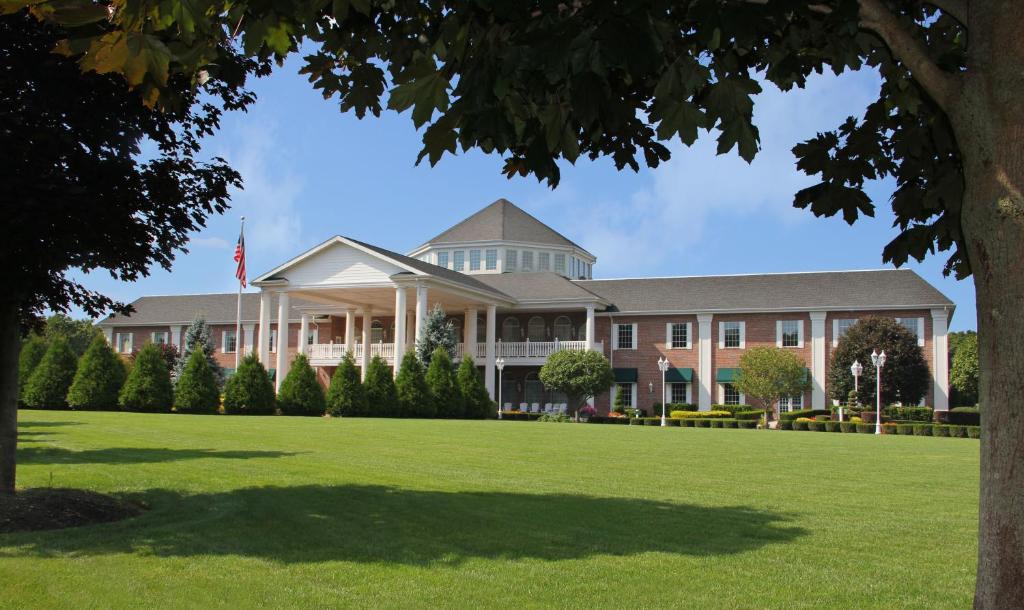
[[547, 407], [524, 407], [563, 407], [507, 406], [535, 407]]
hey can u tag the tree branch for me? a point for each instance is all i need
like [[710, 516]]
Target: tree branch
[[957, 9], [939, 84]]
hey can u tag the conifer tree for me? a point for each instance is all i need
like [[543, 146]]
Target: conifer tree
[[196, 390], [32, 351], [444, 387], [478, 403], [48, 385], [300, 392], [249, 391], [198, 335], [414, 397], [346, 396], [99, 378], [381, 395], [148, 387], [438, 331]]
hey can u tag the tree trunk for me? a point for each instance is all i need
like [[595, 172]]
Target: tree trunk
[[10, 346]]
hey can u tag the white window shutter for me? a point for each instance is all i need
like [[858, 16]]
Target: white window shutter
[[615, 336], [131, 342], [668, 335], [920, 332], [689, 337], [800, 333], [635, 328], [778, 333], [743, 335], [721, 394], [721, 335], [835, 332]]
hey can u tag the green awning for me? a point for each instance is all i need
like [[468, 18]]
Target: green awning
[[625, 375], [681, 375], [726, 375]]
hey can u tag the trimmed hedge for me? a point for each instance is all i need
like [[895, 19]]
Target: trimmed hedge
[[816, 426], [801, 425], [964, 416], [700, 414], [940, 430], [747, 424], [792, 415], [866, 428], [923, 429], [974, 431], [732, 408], [847, 426], [921, 414], [905, 429], [702, 423], [753, 414]]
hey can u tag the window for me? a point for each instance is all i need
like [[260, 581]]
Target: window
[[915, 326], [793, 403], [626, 391], [313, 336], [543, 261], [732, 334], [789, 333], [510, 330], [159, 337], [442, 259], [678, 335], [560, 263], [511, 258], [625, 337], [376, 331], [123, 341], [590, 270], [460, 260], [273, 341], [491, 259], [474, 260], [535, 329], [839, 328], [563, 328], [228, 342], [731, 394], [527, 260], [679, 393]]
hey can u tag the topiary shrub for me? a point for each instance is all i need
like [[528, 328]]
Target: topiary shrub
[[346, 396], [196, 390], [249, 391], [728, 423], [802, 423], [958, 431], [686, 423], [99, 378], [923, 429], [672, 422], [747, 424], [300, 392], [847, 426], [48, 385], [381, 396], [444, 387], [414, 397], [805, 413], [32, 352], [148, 386], [866, 428], [478, 403], [754, 414], [940, 430], [905, 429], [784, 424], [906, 377], [964, 416], [973, 431], [702, 423]]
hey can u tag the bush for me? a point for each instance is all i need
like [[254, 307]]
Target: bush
[[249, 391], [728, 423], [651, 421], [32, 352], [687, 423], [300, 392], [921, 414], [379, 385], [816, 426], [958, 431], [197, 391], [414, 396], [802, 423], [848, 426], [148, 387], [682, 406], [478, 403], [99, 378], [831, 426], [702, 423], [905, 429], [940, 430], [753, 414], [731, 408], [672, 422], [973, 431], [785, 424], [444, 387], [747, 424], [47, 387], [888, 428], [808, 413], [546, 417], [964, 416], [346, 395], [717, 423], [923, 429], [700, 414], [866, 428]]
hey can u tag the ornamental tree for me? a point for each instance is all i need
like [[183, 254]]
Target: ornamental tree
[[414, 399], [477, 402], [438, 332], [79, 334], [300, 392], [198, 336], [148, 386], [769, 374], [99, 378], [196, 391], [346, 395], [963, 371], [381, 395], [249, 391], [577, 374], [48, 386], [905, 377], [444, 387]]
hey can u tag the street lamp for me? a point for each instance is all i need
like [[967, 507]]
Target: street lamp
[[879, 361], [856, 368], [500, 363], [663, 367]]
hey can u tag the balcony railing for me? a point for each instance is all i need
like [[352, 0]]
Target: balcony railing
[[522, 352]]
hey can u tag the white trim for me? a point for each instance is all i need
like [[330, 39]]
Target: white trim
[[128, 345], [668, 335], [795, 309], [721, 394], [152, 336], [224, 341]]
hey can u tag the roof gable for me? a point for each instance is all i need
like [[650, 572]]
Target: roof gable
[[502, 221], [336, 261]]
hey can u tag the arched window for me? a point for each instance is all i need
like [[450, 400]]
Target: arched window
[[510, 330], [376, 331], [535, 329], [563, 328]]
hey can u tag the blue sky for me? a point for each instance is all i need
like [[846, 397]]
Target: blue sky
[[311, 172]]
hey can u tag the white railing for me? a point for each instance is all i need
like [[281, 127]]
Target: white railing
[[332, 353]]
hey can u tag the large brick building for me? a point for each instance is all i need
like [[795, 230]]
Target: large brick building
[[519, 290]]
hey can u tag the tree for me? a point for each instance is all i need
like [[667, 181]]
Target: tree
[[964, 373], [99, 378], [905, 378], [79, 334], [346, 395], [249, 391], [444, 387], [196, 390], [477, 402], [577, 374], [414, 399], [198, 336], [148, 387], [539, 83], [300, 392], [770, 374], [438, 332], [32, 351], [381, 395], [47, 388]]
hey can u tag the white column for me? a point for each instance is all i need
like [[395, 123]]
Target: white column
[[421, 312], [364, 361], [248, 330], [282, 337], [350, 332], [470, 332], [303, 334], [176, 336], [704, 361], [399, 328], [818, 359], [940, 359], [492, 322], [264, 342], [590, 327]]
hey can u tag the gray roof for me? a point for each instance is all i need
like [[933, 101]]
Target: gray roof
[[214, 308], [884, 288], [537, 286], [502, 221]]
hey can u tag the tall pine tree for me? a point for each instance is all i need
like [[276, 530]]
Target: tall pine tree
[[99, 378], [198, 336], [438, 332], [381, 395], [443, 386], [414, 397], [346, 396], [478, 403], [47, 388]]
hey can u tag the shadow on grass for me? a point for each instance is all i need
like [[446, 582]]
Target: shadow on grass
[[371, 524], [132, 455], [46, 424]]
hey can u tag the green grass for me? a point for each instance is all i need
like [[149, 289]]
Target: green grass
[[295, 512]]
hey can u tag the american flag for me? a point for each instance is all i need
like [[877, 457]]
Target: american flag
[[240, 258]]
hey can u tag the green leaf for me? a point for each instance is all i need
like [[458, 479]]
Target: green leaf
[[426, 93], [681, 118], [738, 132]]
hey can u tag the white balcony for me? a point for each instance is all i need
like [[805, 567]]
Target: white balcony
[[514, 353]]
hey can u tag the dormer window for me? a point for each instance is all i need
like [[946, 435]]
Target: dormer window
[[460, 260], [527, 260], [543, 261], [474, 260], [491, 260], [442, 259], [560, 263], [511, 259]]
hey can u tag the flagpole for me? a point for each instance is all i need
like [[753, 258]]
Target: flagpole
[[238, 311]]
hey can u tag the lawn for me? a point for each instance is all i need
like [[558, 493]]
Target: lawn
[[295, 512]]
